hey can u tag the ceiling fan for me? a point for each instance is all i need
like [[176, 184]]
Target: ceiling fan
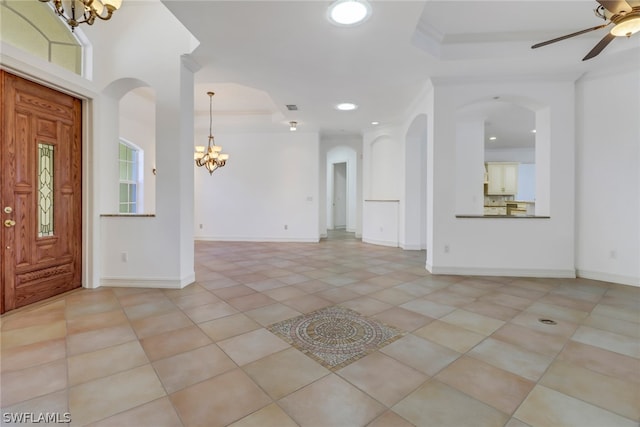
[[625, 15]]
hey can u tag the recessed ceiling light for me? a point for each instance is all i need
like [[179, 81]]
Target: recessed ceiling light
[[533, 131], [492, 138], [349, 12], [346, 106], [375, 123]]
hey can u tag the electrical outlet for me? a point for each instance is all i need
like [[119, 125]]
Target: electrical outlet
[[124, 257], [613, 254], [200, 226], [286, 227], [446, 249]]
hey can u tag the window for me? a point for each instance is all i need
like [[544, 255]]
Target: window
[[34, 27], [130, 186]]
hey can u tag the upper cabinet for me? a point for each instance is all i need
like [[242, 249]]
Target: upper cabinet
[[503, 178]]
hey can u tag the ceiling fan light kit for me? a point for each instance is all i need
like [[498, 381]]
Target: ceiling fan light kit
[[628, 25], [624, 14]]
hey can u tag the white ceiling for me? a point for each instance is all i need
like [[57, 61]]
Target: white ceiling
[[259, 56]]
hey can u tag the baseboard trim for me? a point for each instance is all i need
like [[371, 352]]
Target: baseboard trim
[[506, 272], [158, 283], [608, 277], [259, 239], [381, 242], [411, 247]]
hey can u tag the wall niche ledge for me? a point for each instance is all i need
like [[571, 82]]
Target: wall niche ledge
[[505, 216]]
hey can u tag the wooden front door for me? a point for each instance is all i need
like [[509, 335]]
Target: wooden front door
[[41, 206]]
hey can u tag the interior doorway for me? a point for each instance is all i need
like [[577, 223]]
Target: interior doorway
[[41, 198], [340, 196]]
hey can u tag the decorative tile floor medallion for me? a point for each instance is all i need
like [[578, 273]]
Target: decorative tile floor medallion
[[335, 336]]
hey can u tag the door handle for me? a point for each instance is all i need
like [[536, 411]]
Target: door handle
[[9, 223]]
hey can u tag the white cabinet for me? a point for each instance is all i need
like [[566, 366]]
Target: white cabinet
[[503, 178]]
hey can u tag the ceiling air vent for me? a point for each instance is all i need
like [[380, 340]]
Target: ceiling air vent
[[292, 107]]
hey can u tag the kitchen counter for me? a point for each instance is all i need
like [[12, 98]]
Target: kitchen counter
[[504, 216], [504, 203], [509, 208]]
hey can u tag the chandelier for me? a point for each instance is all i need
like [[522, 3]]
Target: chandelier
[[77, 12], [211, 156]]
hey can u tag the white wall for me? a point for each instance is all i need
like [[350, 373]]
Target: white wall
[[526, 182], [469, 167], [270, 181], [608, 177], [520, 155], [380, 224], [494, 246], [383, 180], [385, 171], [413, 235]]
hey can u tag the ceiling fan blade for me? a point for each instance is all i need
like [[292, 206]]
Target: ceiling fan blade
[[615, 6], [600, 46], [568, 36]]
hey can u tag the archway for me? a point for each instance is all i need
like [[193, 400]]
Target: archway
[[509, 132], [131, 106]]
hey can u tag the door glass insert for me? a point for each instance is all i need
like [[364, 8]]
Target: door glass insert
[[45, 190]]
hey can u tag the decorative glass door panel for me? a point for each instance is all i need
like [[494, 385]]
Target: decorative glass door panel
[[45, 190]]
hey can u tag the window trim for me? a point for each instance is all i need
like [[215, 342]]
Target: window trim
[[139, 179]]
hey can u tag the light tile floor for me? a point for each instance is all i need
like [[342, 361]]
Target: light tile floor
[[475, 353]]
